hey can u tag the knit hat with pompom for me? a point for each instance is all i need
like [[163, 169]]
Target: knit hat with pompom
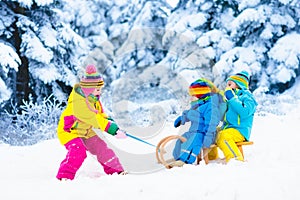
[[91, 80], [200, 88], [241, 79]]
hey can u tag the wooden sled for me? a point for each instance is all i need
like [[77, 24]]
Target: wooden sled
[[205, 151], [160, 150]]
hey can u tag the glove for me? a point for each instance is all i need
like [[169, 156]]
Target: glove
[[229, 94], [177, 122], [120, 134]]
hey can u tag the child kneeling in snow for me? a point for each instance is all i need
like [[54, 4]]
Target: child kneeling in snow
[[207, 109], [238, 118], [84, 112]]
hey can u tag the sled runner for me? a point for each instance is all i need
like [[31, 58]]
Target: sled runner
[[160, 150]]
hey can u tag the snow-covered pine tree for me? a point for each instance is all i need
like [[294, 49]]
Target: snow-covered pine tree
[[258, 29], [53, 40], [47, 51]]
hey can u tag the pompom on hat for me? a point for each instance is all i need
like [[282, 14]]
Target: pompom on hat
[[241, 79], [91, 80], [200, 88]]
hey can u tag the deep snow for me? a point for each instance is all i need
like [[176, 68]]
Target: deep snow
[[271, 170]]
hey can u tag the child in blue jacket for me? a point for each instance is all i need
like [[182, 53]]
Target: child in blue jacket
[[238, 119], [204, 114]]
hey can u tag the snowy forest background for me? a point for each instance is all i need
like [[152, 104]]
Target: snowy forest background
[[147, 51]]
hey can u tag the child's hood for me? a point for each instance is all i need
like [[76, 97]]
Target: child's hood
[[75, 94]]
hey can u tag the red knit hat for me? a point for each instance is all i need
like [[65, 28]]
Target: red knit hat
[[91, 80]]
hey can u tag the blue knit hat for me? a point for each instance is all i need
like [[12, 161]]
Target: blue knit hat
[[241, 79]]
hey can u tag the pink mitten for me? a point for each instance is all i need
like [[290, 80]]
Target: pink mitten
[[120, 134]]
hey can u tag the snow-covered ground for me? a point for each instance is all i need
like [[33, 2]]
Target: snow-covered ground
[[271, 170]]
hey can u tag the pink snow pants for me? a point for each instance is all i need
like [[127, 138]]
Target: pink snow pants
[[77, 153]]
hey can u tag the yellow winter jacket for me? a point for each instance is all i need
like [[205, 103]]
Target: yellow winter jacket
[[80, 116]]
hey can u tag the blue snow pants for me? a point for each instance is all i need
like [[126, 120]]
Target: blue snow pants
[[188, 151]]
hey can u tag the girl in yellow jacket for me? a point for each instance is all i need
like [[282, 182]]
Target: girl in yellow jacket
[[75, 128]]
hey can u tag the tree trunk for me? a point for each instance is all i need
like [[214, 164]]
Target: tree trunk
[[21, 82]]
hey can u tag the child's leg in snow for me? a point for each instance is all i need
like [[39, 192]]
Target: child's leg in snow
[[226, 142], [176, 150], [106, 157], [74, 159], [177, 147], [188, 151]]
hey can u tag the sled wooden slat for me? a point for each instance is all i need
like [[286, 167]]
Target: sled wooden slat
[[240, 144], [205, 151]]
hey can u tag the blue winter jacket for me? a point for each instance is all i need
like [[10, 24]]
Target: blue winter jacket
[[204, 116], [240, 113]]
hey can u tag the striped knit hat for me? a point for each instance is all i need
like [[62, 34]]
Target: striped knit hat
[[241, 79], [200, 88], [91, 80]]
